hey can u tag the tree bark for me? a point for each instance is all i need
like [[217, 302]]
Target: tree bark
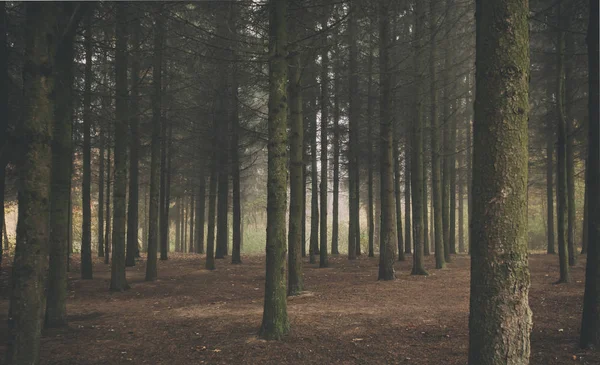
[[134, 144], [590, 322], [561, 174], [153, 214], [56, 294], [295, 242], [417, 173], [118, 281], [275, 322], [500, 319], [353, 120], [387, 237], [27, 298], [324, 130]]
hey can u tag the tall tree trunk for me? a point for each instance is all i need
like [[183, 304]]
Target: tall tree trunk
[[590, 322], [500, 318], [297, 192], [370, 157], [584, 235], [275, 322], [163, 208], [86, 223], [27, 298], [353, 120], [153, 214], [417, 173], [469, 152], [236, 246], [561, 174], [387, 237], [453, 128], [569, 91], [118, 282], [134, 143], [224, 115], [4, 89], [446, 141], [336, 159], [324, 130], [314, 202], [100, 213], [436, 183], [60, 183]]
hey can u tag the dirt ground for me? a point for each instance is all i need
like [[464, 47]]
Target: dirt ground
[[193, 316]]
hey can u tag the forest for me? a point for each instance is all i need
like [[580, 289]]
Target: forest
[[300, 182]]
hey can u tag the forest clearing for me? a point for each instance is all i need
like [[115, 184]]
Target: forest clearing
[[194, 316]]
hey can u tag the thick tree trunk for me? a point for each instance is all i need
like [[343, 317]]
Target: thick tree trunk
[[387, 237], [275, 322], [500, 319], [590, 322], [452, 230], [295, 275], [398, 193], [4, 89], [60, 183], [27, 298], [569, 90], [153, 214], [417, 173]]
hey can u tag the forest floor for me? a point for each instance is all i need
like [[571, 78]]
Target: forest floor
[[193, 316]]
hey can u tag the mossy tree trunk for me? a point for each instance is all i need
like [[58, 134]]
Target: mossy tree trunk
[[500, 319], [27, 298], [154, 206], [275, 322], [295, 276], [590, 322], [387, 237]]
